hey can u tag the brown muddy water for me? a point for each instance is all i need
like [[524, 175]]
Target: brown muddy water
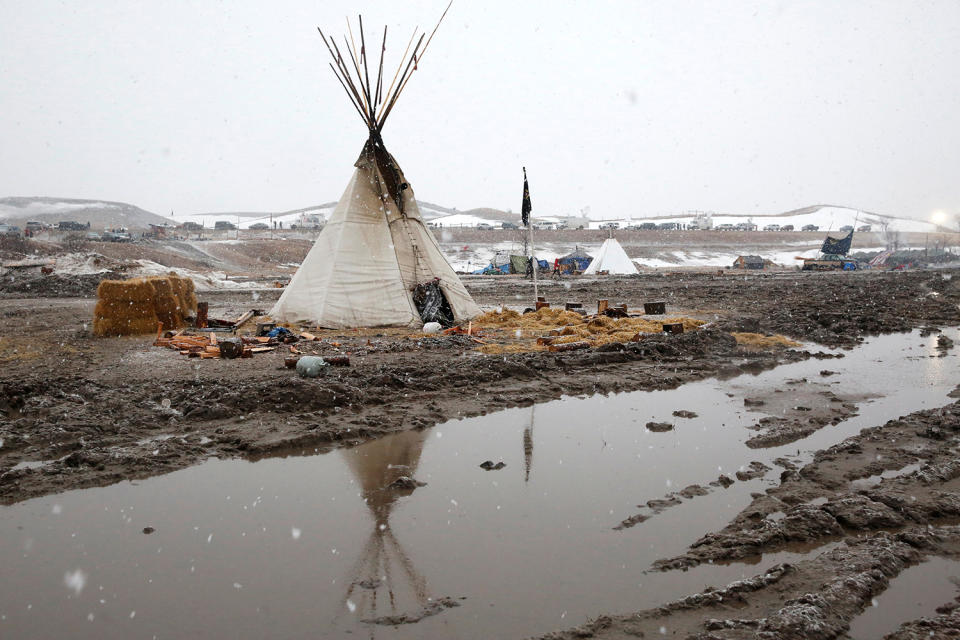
[[322, 546]]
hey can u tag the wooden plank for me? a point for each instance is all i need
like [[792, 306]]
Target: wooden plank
[[242, 319]]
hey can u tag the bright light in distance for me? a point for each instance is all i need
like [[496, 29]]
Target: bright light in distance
[[939, 217]]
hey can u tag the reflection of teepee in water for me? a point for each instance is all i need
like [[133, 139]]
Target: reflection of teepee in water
[[383, 582]]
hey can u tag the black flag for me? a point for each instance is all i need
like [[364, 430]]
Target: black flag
[[837, 246], [527, 207]]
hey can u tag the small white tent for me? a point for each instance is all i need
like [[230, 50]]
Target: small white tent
[[612, 259], [375, 264]]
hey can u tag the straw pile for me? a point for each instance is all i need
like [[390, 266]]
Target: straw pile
[[761, 341], [137, 306], [571, 327]]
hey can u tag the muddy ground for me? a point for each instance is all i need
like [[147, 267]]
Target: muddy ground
[[77, 411]]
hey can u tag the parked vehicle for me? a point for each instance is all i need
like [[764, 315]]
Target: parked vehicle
[[223, 225], [259, 226], [668, 226], [93, 236], [70, 225], [786, 227], [726, 227], [9, 230], [746, 226], [864, 228], [810, 227], [610, 225], [117, 236], [509, 225], [772, 227], [847, 228], [648, 226]]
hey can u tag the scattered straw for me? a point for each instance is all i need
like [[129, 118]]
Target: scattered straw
[[761, 341], [519, 332]]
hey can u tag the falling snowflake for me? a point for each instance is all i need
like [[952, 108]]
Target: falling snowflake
[[75, 580]]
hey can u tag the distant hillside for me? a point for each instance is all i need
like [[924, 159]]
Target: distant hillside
[[99, 213], [827, 217], [226, 215]]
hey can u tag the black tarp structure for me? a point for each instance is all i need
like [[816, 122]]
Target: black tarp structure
[[837, 246]]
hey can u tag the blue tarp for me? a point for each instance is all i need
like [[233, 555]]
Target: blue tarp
[[578, 263], [492, 268]]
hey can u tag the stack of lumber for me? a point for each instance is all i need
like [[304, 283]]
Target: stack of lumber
[[207, 346]]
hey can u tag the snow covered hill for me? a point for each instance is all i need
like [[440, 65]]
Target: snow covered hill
[[306, 217], [826, 217], [100, 214]]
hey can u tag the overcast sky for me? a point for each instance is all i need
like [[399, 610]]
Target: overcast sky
[[630, 108]]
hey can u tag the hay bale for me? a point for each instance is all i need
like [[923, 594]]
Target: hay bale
[[166, 304], [114, 327], [124, 317], [136, 289], [124, 307], [185, 291]]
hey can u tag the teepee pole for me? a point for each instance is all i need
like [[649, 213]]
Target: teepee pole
[[366, 71], [344, 75], [401, 84], [356, 67], [383, 51], [386, 96], [435, 29], [352, 101]]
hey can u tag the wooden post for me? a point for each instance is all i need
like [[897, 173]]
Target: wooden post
[[602, 306], [202, 310]]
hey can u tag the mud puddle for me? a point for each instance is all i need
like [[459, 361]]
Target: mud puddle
[[350, 542], [915, 593]]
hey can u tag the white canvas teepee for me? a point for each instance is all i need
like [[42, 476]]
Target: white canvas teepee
[[612, 259], [375, 264]]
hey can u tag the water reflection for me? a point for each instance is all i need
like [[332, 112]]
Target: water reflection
[[528, 447], [383, 580]]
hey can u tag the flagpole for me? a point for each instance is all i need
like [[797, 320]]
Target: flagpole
[[526, 209], [533, 262]]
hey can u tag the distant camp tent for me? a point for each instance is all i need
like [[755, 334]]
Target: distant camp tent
[[612, 259], [749, 262], [375, 264], [577, 260], [518, 264]]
